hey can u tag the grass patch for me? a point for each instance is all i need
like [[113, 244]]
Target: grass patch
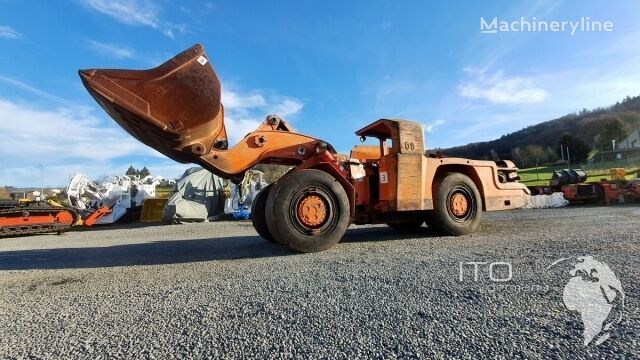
[[529, 178]]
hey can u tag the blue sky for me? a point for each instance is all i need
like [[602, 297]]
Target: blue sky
[[328, 67]]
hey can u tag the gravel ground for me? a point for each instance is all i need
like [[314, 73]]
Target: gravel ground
[[218, 290]]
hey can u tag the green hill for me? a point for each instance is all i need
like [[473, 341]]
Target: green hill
[[583, 132]]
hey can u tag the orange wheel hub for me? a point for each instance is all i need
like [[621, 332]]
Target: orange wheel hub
[[459, 204], [64, 217], [312, 210]]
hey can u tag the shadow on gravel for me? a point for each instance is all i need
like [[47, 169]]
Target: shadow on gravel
[[117, 226], [152, 253], [383, 233], [173, 251]]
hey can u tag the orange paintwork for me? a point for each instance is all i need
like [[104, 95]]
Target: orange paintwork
[[408, 179], [366, 153], [63, 218], [312, 211], [459, 204], [94, 216]]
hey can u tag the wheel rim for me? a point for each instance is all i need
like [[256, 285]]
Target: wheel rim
[[461, 204], [313, 211]]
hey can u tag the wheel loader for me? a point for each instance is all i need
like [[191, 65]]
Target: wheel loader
[[176, 109]]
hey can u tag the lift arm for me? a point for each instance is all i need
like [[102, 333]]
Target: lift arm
[[176, 109]]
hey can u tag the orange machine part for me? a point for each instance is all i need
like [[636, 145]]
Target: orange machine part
[[94, 216], [63, 217], [612, 192], [312, 211], [367, 152], [176, 109], [459, 204]]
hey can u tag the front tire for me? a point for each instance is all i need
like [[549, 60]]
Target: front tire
[[458, 206], [258, 210], [308, 211]]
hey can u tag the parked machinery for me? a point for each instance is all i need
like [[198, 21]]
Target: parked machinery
[[176, 109], [119, 194], [567, 177], [20, 217], [572, 183], [239, 197]]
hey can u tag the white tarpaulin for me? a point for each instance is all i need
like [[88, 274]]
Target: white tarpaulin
[[196, 198], [554, 200]]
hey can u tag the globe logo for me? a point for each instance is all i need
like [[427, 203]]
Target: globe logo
[[596, 294]]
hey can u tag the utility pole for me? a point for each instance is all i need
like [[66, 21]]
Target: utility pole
[[568, 159], [562, 152], [41, 181]]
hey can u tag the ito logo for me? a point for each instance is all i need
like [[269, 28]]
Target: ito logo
[[594, 291]]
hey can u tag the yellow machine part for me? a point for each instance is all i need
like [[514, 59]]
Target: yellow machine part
[[618, 173], [164, 192], [152, 210], [54, 203]]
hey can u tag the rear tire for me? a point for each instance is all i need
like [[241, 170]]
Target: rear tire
[[258, 209], [458, 206], [308, 211]]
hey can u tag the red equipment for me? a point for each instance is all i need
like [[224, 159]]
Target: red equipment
[[26, 218]]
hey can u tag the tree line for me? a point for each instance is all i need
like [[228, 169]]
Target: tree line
[[581, 132], [139, 172]]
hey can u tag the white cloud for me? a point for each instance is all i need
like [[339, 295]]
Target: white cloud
[[69, 138], [131, 12], [59, 138], [237, 129], [7, 32], [286, 107], [30, 89], [430, 127], [170, 29], [115, 51], [136, 12], [66, 132], [245, 112], [500, 89], [233, 100], [122, 52]]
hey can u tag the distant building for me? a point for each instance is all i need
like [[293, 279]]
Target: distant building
[[631, 142], [627, 149]]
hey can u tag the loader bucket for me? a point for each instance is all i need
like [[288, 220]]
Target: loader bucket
[[174, 108]]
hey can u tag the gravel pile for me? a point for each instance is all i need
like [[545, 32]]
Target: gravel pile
[[218, 290]]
